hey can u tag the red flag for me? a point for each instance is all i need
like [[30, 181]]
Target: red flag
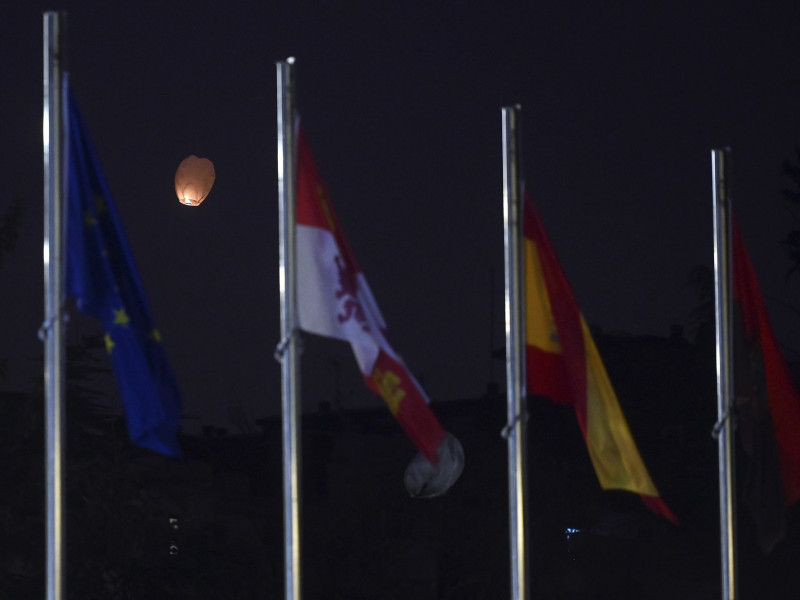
[[335, 300], [767, 405], [563, 364]]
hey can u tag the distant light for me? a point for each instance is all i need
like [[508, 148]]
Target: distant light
[[193, 180]]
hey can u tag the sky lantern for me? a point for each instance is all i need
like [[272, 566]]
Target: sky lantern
[[193, 180]]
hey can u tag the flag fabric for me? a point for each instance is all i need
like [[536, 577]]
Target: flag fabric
[[334, 300], [563, 364], [102, 277], [767, 405]]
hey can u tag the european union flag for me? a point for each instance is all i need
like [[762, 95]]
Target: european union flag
[[102, 277]]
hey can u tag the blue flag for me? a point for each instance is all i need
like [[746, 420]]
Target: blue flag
[[102, 277]]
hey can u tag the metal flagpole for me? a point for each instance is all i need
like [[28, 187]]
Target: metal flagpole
[[52, 331], [287, 352], [720, 165], [516, 429]]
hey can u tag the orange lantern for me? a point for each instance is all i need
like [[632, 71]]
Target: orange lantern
[[193, 180]]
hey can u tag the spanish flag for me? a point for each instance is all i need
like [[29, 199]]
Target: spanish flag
[[564, 365], [334, 300], [767, 406]]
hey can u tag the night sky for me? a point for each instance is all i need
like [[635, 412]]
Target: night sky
[[401, 104]]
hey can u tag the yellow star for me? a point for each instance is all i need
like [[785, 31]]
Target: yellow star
[[121, 317], [156, 335], [109, 343]]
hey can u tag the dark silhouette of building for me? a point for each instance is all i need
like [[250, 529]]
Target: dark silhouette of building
[[209, 525]]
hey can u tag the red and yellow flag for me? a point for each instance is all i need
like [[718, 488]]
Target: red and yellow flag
[[767, 406], [563, 364], [334, 300]]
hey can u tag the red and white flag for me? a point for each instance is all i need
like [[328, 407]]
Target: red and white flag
[[334, 300]]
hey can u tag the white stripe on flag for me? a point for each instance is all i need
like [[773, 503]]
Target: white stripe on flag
[[326, 305]]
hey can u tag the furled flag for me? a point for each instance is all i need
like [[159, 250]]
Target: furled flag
[[334, 300], [564, 365], [767, 406], [102, 277]]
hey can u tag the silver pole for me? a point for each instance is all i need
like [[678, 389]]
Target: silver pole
[[720, 165], [288, 348], [516, 429], [52, 332]]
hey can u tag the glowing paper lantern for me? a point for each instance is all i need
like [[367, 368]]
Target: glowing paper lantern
[[193, 180]]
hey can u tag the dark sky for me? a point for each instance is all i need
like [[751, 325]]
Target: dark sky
[[401, 104]]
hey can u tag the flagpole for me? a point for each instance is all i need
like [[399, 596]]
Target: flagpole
[[516, 429], [52, 331], [287, 352], [720, 165]]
